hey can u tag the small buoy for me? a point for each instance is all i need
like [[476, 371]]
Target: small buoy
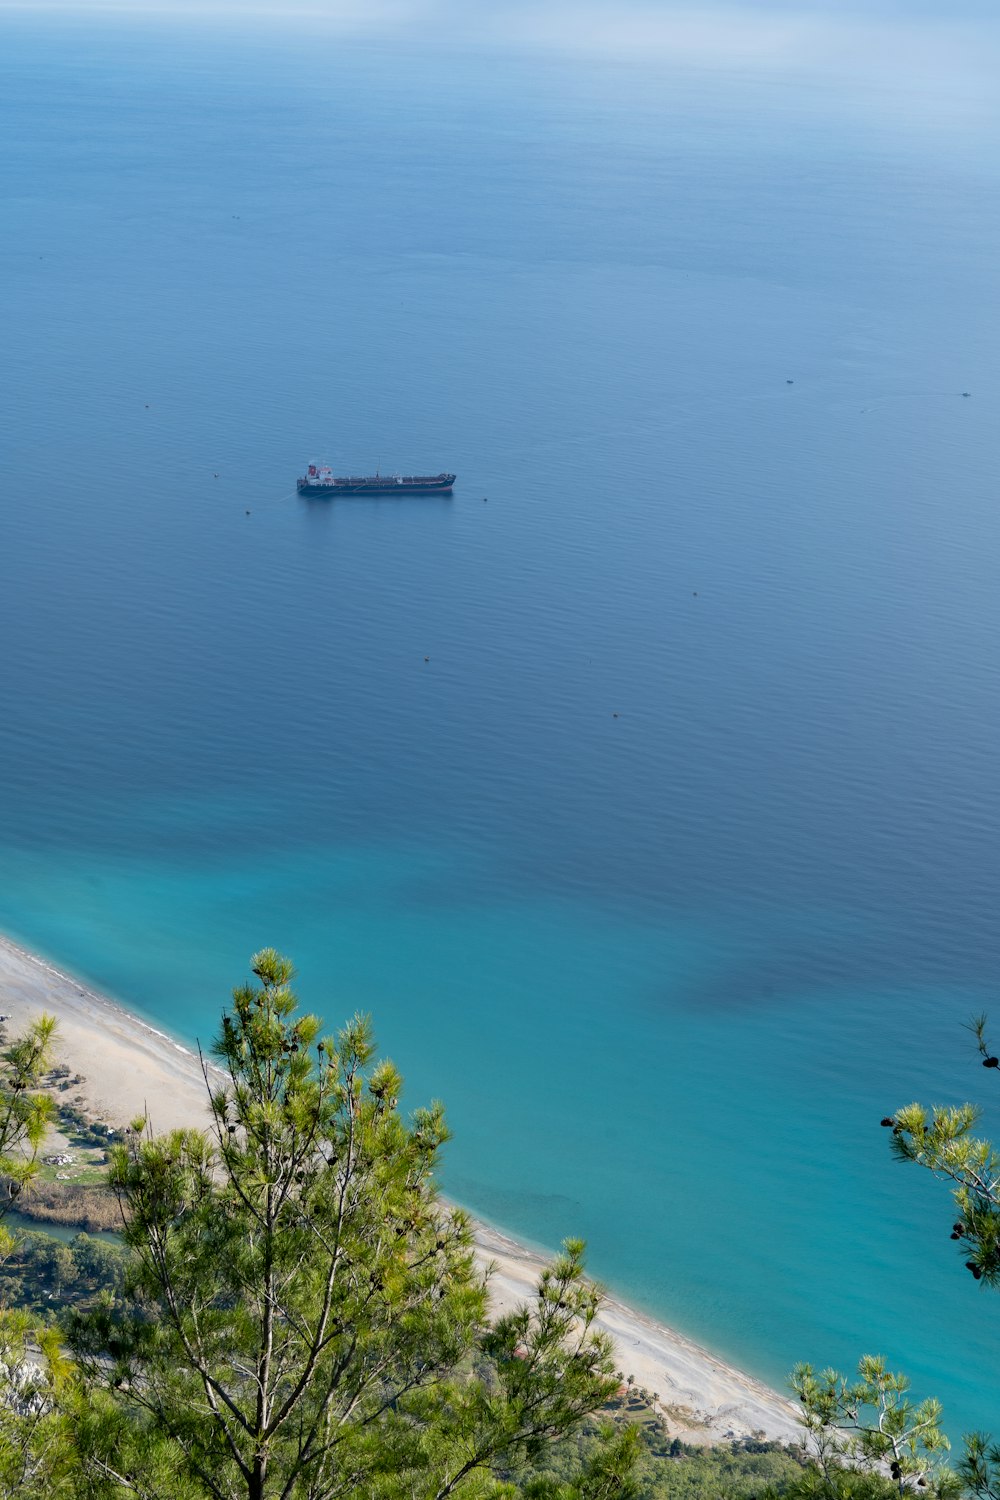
[[147, 406], [789, 382], [248, 512], [485, 498], [694, 593], [614, 716]]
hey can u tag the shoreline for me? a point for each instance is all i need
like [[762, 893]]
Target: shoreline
[[129, 1067]]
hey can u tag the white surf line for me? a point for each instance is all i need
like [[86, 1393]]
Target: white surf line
[[724, 1398], [103, 1002]]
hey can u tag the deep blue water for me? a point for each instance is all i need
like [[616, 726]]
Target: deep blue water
[[675, 866]]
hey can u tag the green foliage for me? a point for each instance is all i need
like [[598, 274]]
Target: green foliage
[[25, 1114], [606, 1472], [738, 1471], [871, 1424], [979, 1466], [307, 1319], [814, 1483], [38, 1459], [664, 1468], [83, 1131], [942, 1140], [46, 1276]]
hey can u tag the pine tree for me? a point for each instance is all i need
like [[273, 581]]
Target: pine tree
[[871, 1426], [25, 1114], [943, 1141], [308, 1320]]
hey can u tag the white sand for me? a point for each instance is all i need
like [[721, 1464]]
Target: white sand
[[130, 1068]]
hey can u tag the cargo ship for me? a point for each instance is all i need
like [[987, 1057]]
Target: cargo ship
[[319, 479]]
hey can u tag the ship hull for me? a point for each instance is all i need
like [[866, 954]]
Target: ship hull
[[439, 484]]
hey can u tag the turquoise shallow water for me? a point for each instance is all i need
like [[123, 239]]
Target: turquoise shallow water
[[668, 968]]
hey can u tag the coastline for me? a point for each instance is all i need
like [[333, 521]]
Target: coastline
[[129, 1067]]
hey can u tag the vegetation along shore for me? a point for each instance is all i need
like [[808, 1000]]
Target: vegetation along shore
[[117, 1067], [290, 1310]]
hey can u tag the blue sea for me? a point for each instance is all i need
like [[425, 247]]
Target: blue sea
[[645, 791]]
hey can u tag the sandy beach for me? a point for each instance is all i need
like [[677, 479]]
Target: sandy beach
[[129, 1067]]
